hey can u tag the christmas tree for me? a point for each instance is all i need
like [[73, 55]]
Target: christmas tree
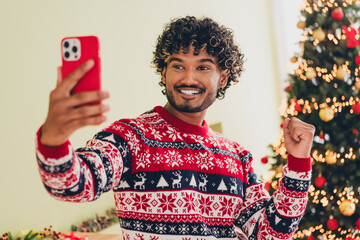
[[324, 91]]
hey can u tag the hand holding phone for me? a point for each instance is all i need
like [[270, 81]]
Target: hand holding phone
[[69, 104]]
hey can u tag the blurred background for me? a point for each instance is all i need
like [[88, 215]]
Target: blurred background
[[31, 32]]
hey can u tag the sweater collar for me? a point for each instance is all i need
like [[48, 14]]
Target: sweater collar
[[183, 126]]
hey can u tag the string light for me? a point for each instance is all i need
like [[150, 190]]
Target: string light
[[308, 107], [318, 157], [304, 72], [324, 5]]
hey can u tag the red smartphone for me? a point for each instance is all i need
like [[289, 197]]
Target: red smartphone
[[77, 50]]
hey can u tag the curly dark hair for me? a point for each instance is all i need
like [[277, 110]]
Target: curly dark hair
[[204, 33]]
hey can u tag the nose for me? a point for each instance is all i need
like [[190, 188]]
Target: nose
[[189, 77]]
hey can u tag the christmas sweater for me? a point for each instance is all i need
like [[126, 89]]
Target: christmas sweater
[[174, 180]]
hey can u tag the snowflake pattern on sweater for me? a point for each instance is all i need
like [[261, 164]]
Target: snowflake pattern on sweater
[[173, 180]]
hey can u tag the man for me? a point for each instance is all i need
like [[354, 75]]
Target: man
[[173, 177]]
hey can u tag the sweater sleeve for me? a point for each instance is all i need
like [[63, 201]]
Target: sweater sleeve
[[278, 216], [84, 174]]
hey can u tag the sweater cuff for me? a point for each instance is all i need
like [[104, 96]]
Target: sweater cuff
[[299, 164], [51, 152]]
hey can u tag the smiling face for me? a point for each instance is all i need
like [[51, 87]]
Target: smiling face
[[192, 82]]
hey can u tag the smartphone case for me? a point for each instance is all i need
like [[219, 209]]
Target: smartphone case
[[76, 51]]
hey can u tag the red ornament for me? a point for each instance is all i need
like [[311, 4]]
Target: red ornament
[[356, 108], [337, 14], [351, 33], [282, 125], [297, 107], [332, 224], [354, 131], [349, 238], [320, 181], [310, 238], [264, 160], [321, 136], [357, 224], [267, 186], [288, 88], [357, 59]]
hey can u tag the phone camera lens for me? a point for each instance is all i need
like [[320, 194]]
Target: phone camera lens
[[66, 44], [67, 54], [74, 49]]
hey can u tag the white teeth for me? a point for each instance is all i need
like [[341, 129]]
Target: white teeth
[[189, 92]]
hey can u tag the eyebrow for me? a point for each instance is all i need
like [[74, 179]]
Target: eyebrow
[[201, 60]]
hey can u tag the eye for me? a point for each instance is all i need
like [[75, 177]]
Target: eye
[[177, 66], [202, 68]]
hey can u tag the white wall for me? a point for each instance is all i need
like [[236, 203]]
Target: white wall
[[287, 35], [29, 48]]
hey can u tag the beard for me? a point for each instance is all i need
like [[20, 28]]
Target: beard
[[187, 106]]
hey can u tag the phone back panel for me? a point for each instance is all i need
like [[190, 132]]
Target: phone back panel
[[76, 51]]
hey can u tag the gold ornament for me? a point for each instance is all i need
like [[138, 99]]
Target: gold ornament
[[278, 169], [330, 158], [301, 24], [319, 34], [347, 208], [326, 114], [310, 73], [294, 59], [357, 84], [340, 73]]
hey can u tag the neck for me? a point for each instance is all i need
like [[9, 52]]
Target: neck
[[196, 118]]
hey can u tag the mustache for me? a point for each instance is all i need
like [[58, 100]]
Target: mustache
[[189, 86]]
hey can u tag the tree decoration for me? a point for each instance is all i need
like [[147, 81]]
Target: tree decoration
[[357, 59], [330, 158], [326, 114], [356, 108], [357, 224], [297, 106], [347, 207], [320, 181], [354, 131], [337, 14], [264, 160], [301, 24], [352, 36], [310, 73], [288, 88], [319, 34], [340, 73], [357, 83], [332, 223], [294, 59]]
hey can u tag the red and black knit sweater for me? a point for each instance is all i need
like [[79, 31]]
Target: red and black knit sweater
[[174, 180]]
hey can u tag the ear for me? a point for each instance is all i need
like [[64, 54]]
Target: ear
[[163, 73], [224, 76]]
